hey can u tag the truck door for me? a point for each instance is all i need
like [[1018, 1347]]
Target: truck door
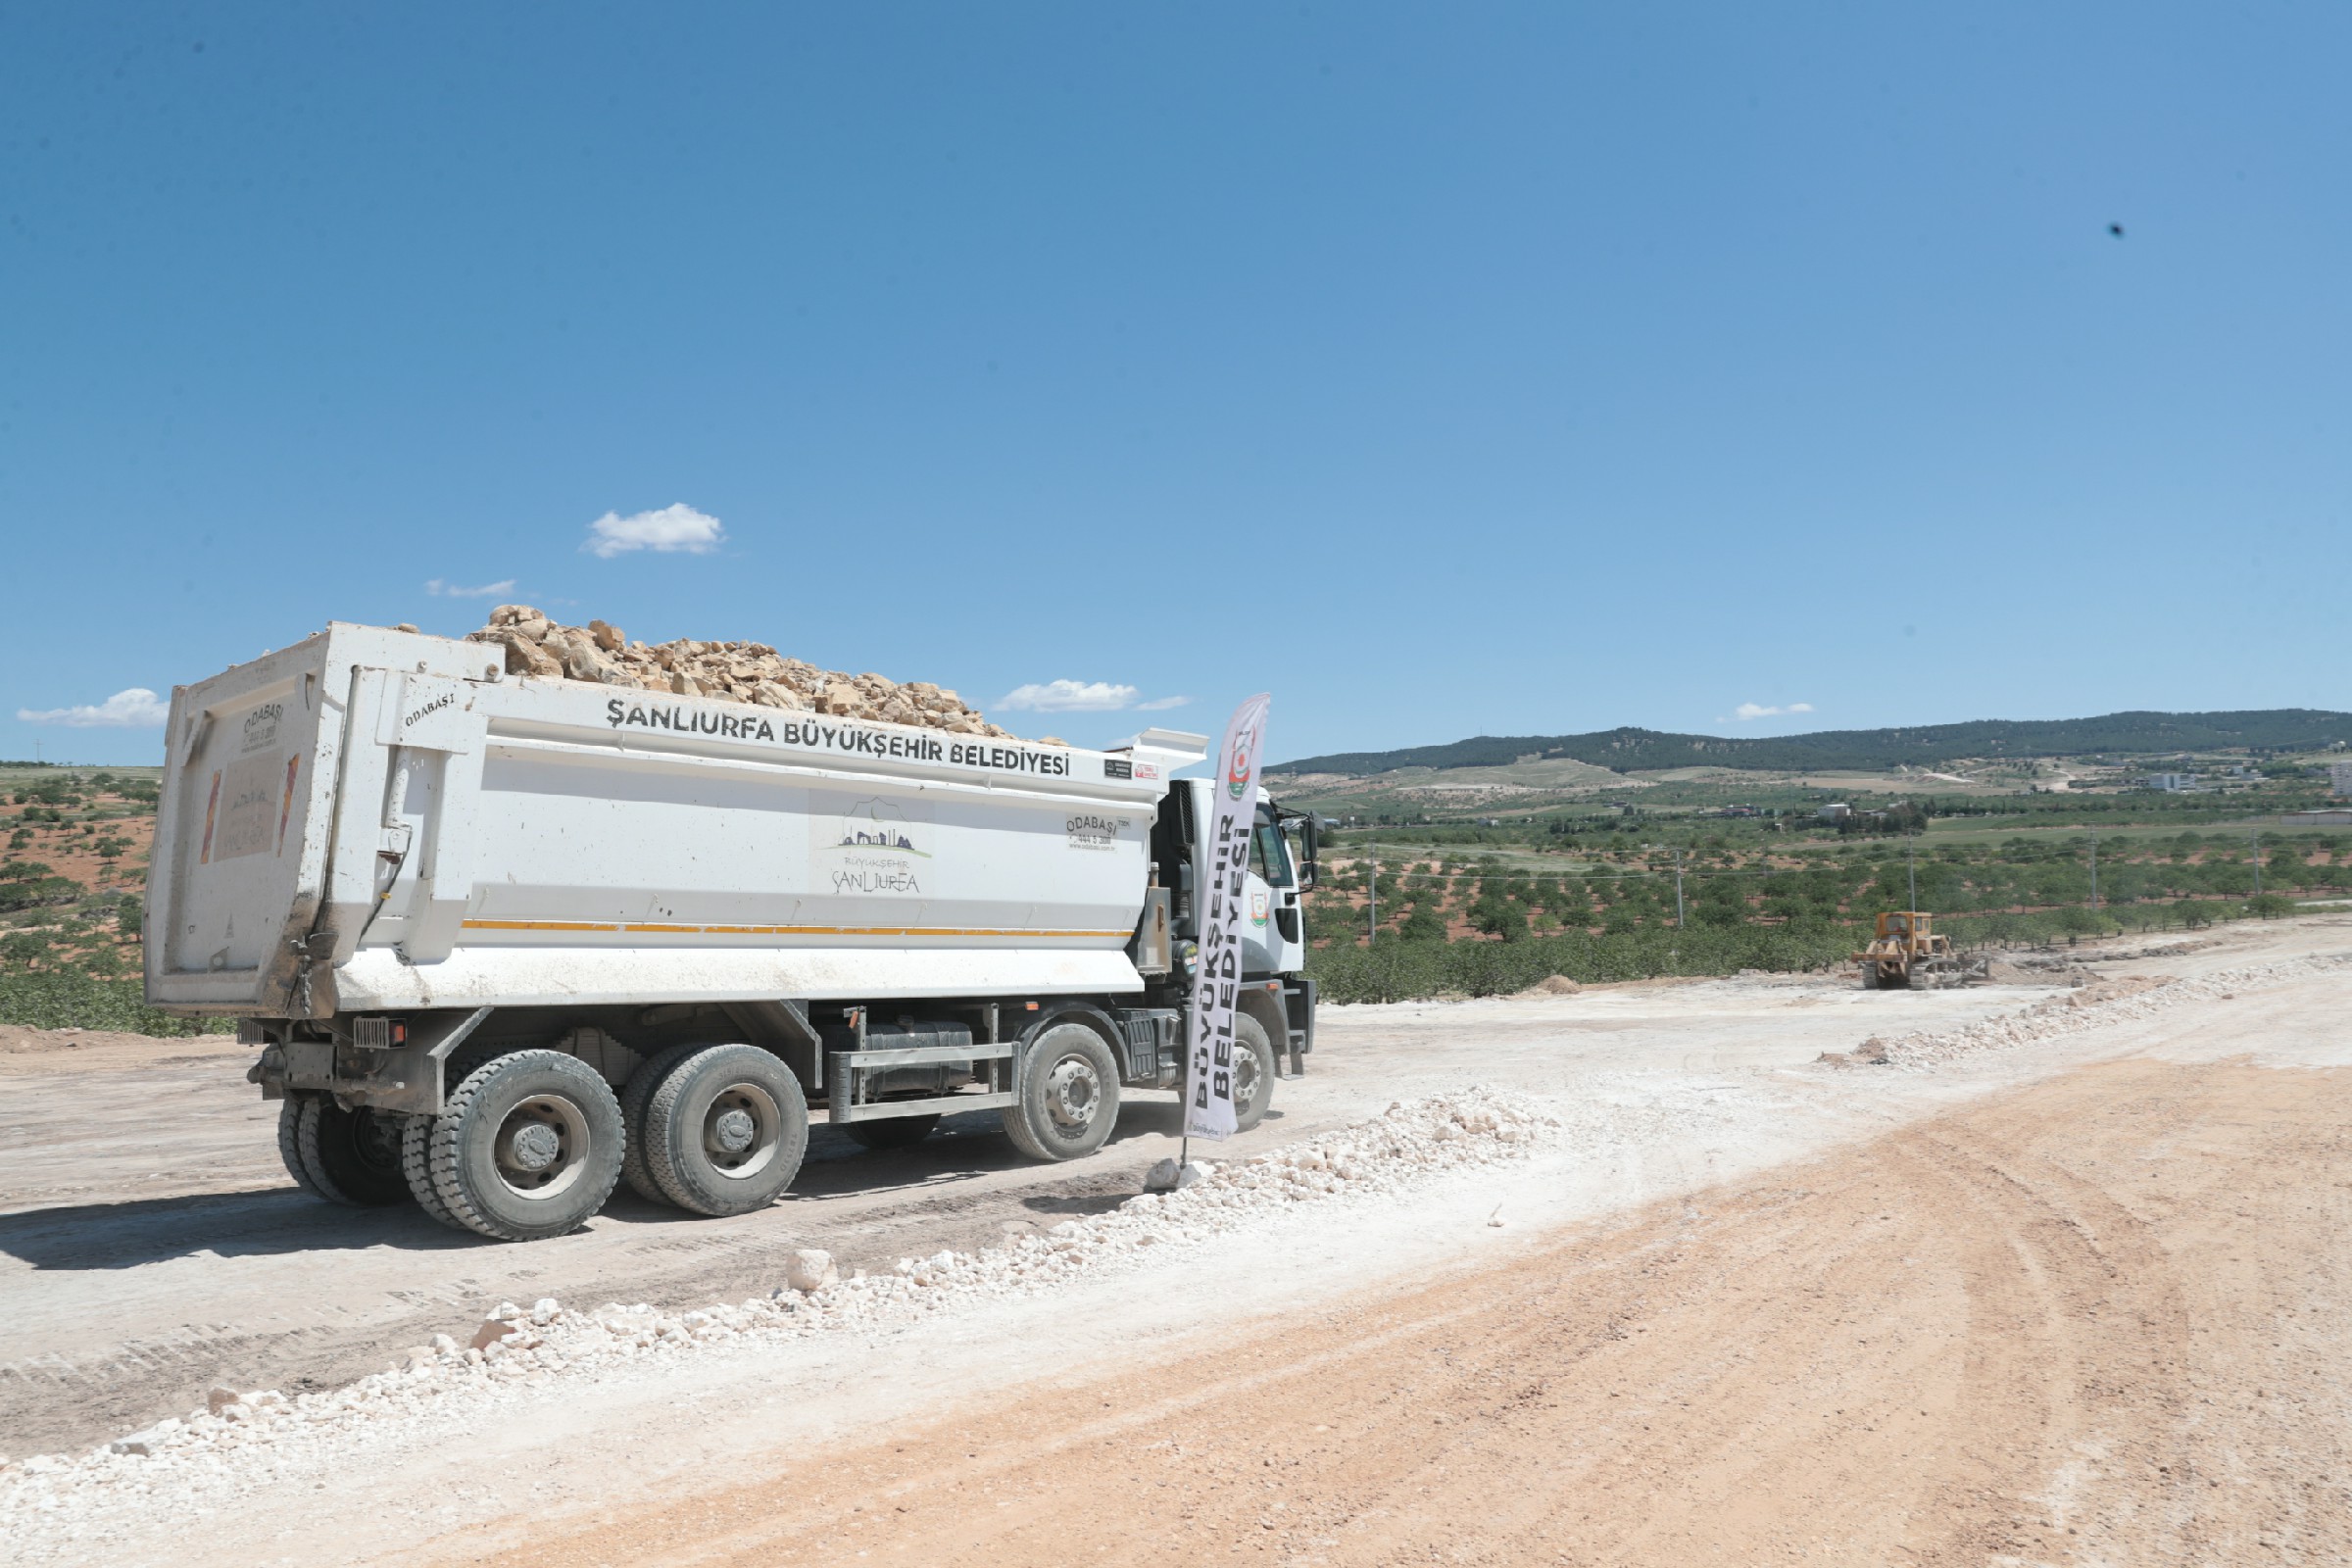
[[1274, 939]]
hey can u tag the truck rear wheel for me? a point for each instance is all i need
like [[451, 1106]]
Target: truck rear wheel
[[416, 1164], [528, 1147], [1068, 1094], [1252, 1072], [345, 1156], [634, 1098], [289, 1145], [725, 1130]]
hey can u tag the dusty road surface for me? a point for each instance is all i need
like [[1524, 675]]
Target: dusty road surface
[[2097, 1320], [2074, 1261], [151, 1244]]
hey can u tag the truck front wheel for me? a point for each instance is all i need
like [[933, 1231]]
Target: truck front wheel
[[1070, 1094], [528, 1147], [1252, 1072]]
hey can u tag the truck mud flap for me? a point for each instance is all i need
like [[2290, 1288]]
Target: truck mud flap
[[1299, 1008]]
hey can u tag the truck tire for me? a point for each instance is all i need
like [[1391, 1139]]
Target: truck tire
[[634, 1098], [353, 1156], [1068, 1094], [898, 1132], [528, 1147], [725, 1130], [416, 1164], [290, 1143], [1252, 1072]]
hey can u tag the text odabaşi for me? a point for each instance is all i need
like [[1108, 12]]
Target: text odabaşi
[[841, 738]]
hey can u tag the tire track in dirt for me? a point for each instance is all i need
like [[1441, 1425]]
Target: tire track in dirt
[[2059, 1326]]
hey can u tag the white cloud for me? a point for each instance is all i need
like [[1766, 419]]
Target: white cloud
[[135, 708], [1069, 696], [450, 590], [1747, 710], [675, 527], [1160, 704]]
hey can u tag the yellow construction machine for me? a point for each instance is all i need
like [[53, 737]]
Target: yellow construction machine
[[1908, 954]]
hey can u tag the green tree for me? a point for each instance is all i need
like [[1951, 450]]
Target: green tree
[[23, 950]]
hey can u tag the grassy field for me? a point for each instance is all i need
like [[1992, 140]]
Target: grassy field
[[71, 919], [1618, 905]]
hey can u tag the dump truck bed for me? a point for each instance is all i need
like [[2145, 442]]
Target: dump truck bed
[[375, 818]]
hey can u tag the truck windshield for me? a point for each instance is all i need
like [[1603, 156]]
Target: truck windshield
[[1270, 856]]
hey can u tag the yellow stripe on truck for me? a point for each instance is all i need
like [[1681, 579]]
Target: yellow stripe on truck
[[664, 929]]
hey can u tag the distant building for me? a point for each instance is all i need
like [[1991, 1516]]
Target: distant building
[[2339, 778], [1834, 812], [2172, 783]]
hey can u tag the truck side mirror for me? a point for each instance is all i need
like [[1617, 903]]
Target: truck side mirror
[[1307, 839]]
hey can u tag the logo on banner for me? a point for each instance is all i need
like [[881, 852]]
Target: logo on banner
[[1241, 765]]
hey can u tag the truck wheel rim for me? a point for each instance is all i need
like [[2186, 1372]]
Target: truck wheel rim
[[1245, 1077], [542, 1147], [741, 1131], [376, 1139], [1072, 1093]]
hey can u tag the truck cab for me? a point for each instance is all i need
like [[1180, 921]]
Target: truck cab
[[1283, 870]]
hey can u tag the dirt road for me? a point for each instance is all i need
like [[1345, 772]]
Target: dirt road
[[1776, 1304], [2099, 1320], [151, 1244]]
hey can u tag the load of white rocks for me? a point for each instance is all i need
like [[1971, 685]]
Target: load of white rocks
[[732, 671], [80, 1508]]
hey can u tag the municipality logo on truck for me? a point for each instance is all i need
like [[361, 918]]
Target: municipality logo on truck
[[871, 846]]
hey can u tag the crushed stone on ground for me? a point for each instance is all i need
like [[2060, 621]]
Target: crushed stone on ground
[[2087, 1006], [243, 1442]]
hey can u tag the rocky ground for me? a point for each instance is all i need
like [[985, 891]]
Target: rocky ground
[[1741, 1304]]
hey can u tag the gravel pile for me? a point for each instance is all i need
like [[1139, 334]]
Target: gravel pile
[[2088, 1006], [734, 672], [245, 1442]]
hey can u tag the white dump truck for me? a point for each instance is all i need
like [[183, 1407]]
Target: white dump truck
[[502, 943]]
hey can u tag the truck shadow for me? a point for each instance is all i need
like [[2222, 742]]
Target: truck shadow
[[151, 1230], [102, 1236]]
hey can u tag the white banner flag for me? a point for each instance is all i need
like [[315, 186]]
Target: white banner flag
[[1223, 905]]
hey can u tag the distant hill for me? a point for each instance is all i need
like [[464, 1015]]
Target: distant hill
[[1629, 751]]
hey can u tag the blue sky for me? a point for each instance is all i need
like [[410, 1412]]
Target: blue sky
[[1442, 369]]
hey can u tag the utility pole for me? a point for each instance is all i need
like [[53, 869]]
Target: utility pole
[[2254, 837], [2094, 870], [1911, 854], [1678, 888], [1372, 906]]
